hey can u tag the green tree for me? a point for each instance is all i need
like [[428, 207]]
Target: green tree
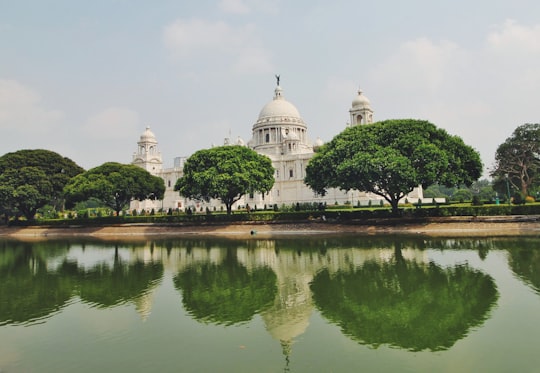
[[518, 159], [225, 173], [391, 158], [30, 179], [115, 185], [462, 195], [25, 190]]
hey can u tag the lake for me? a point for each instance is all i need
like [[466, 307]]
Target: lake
[[298, 304]]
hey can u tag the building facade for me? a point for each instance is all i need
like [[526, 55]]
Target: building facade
[[281, 134]]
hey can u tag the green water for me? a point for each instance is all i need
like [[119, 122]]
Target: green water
[[301, 304]]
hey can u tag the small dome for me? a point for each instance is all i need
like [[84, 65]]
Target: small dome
[[148, 136], [279, 107], [319, 142], [360, 101]]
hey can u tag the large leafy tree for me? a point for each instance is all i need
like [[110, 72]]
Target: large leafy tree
[[391, 158], [226, 173], [115, 185], [25, 190], [31, 179], [517, 160]]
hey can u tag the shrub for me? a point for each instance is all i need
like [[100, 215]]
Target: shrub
[[518, 199], [476, 201]]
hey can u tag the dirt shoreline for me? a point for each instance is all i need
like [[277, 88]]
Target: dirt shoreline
[[465, 226]]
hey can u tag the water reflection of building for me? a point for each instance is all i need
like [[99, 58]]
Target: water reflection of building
[[289, 315]]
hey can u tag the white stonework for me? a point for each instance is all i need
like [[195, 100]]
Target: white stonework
[[360, 111], [280, 133]]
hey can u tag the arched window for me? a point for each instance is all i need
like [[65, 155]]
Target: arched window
[[267, 137], [291, 173], [359, 119]]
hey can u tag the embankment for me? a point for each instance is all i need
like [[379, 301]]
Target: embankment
[[462, 226]]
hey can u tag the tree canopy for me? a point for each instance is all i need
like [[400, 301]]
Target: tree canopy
[[30, 179], [518, 159], [391, 158], [115, 185], [226, 173]]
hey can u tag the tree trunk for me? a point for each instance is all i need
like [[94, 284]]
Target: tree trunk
[[395, 209]]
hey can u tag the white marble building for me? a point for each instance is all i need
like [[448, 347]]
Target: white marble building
[[279, 133]]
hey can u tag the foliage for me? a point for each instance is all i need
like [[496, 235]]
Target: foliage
[[391, 158], [462, 195], [115, 185], [482, 189], [30, 179], [517, 160], [25, 190], [225, 173]]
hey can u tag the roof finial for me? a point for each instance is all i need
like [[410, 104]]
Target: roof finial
[[277, 79]]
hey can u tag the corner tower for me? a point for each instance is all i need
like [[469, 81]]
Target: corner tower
[[147, 155], [361, 112]]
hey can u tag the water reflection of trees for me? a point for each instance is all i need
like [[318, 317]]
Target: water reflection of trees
[[28, 290], [525, 263], [405, 303], [227, 281], [225, 293], [107, 285], [32, 288]]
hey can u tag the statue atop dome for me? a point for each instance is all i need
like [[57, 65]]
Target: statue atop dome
[[277, 79]]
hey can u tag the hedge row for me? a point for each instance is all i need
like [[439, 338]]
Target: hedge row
[[296, 216]]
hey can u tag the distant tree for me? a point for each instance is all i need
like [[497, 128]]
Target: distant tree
[[115, 185], [517, 160], [25, 190], [30, 179], [483, 189], [226, 173], [391, 158], [434, 191], [462, 195]]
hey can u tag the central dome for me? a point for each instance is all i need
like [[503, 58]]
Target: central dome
[[279, 107]]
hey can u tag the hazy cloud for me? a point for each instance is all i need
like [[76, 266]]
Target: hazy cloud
[[112, 123], [249, 6], [234, 6], [239, 47], [514, 37], [22, 109]]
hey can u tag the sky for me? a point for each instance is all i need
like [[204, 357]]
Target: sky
[[85, 78]]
